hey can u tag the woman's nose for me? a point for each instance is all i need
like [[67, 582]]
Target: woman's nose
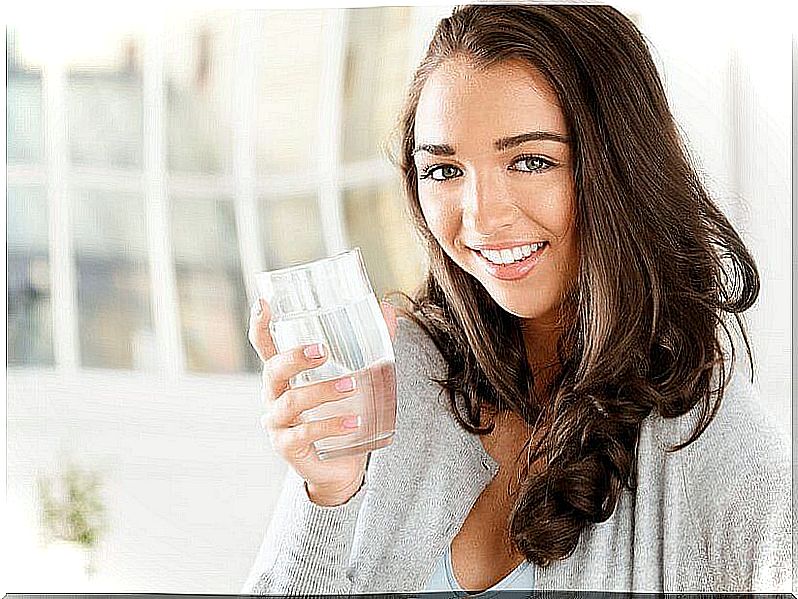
[[487, 205]]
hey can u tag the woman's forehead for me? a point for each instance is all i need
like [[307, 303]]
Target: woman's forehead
[[460, 99]]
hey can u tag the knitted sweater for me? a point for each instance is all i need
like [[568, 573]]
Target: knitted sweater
[[715, 516]]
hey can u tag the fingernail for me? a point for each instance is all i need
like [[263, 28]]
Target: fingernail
[[344, 385], [351, 422], [314, 351]]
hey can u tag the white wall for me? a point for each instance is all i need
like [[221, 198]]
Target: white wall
[[189, 478]]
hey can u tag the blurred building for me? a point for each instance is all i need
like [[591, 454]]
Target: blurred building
[[186, 159]]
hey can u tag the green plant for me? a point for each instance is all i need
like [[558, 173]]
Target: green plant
[[71, 506]]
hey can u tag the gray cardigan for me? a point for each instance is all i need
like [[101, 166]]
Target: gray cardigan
[[715, 516]]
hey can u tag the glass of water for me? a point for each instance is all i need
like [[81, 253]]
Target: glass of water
[[330, 301]]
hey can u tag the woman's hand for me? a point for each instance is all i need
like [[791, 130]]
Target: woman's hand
[[330, 482]]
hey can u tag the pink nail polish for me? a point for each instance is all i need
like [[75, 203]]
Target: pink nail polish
[[344, 385], [351, 422], [314, 351]]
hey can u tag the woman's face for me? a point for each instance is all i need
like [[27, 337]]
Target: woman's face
[[495, 182]]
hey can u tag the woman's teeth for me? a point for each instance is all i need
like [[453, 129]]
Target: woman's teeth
[[510, 255]]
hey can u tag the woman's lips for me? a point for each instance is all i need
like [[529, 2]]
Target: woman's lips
[[514, 270]]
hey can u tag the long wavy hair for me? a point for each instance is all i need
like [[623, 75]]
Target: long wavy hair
[[660, 271]]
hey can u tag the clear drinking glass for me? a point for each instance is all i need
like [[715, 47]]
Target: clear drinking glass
[[331, 301]]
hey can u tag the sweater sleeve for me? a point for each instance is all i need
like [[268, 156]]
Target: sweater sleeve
[[738, 485], [307, 547], [752, 550]]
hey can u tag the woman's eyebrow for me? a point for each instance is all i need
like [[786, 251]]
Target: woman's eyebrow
[[508, 142], [435, 149], [501, 144]]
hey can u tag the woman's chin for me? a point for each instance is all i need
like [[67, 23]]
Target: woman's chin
[[521, 309]]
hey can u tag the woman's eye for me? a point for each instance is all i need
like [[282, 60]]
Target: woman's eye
[[443, 172], [531, 164]]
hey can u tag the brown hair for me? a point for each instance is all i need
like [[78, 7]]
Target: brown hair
[[660, 267]]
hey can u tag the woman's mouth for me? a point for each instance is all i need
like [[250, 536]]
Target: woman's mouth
[[511, 263]]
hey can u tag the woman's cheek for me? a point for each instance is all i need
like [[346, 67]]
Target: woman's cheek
[[432, 215]]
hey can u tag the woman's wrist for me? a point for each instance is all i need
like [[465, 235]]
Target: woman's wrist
[[332, 497]]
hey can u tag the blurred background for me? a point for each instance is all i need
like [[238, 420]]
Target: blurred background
[[155, 161]]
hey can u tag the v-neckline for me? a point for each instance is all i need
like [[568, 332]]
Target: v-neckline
[[501, 585]]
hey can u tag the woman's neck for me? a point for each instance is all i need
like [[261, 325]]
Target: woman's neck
[[540, 340]]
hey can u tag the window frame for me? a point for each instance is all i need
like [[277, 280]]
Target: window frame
[[154, 181]]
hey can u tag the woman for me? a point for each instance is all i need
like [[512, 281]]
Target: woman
[[593, 434]]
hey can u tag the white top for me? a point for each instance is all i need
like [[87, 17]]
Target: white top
[[443, 579]]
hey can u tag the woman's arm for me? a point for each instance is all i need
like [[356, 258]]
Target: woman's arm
[[752, 550], [307, 547], [739, 475]]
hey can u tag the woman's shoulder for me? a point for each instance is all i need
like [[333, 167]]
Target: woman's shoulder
[[415, 351], [743, 455], [419, 366], [426, 433], [731, 487]]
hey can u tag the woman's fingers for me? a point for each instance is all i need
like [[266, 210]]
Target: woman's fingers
[[258, 334], [280, 368], [296, 443], [287, 409]]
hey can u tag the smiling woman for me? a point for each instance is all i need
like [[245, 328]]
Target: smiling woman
[[594, 430], [496, 183]]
